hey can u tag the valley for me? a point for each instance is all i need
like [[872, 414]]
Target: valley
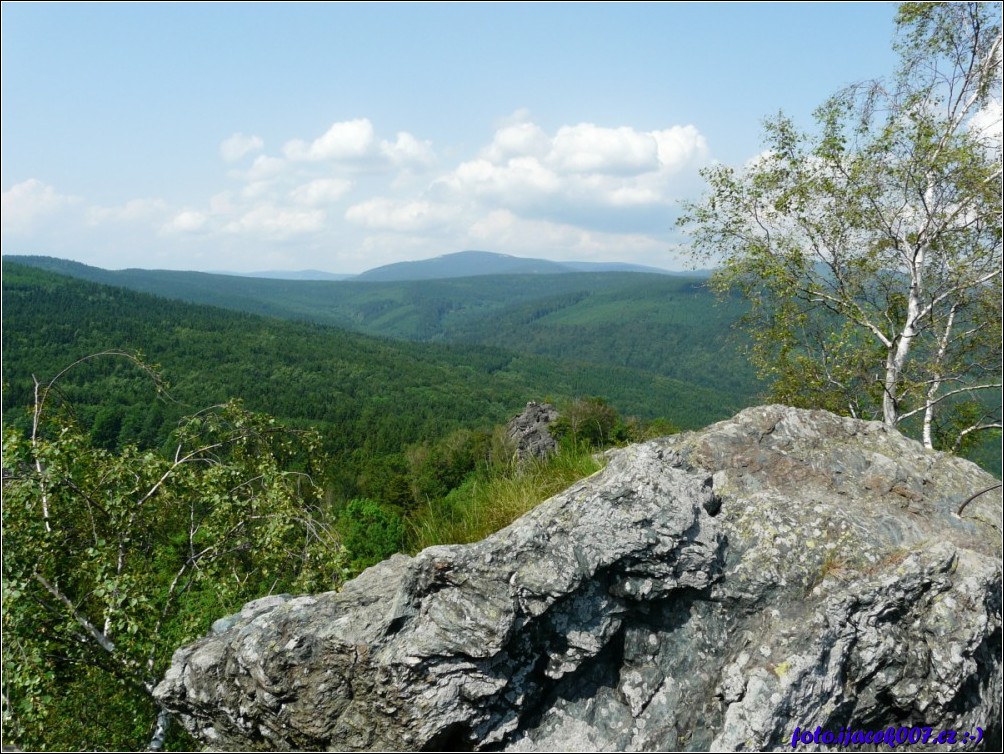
[[667, 325]]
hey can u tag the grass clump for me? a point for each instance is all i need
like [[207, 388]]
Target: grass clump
[[497, 494]]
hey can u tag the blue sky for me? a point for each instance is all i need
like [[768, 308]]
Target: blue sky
[[344, 136]]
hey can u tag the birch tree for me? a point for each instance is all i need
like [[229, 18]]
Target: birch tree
[[870, 248]]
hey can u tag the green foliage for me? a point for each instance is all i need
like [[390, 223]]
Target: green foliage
[[657, 324], [383, 478], [436, 468], [951, 431], [591, 422], [371, 531], [88, 710], [650, 430], [369, 397], [114, 558], [870, 249], [630, 336], [496, 495]]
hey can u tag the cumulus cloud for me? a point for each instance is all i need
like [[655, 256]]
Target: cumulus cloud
[[583, 191], [680, 147], [320, 191], [265, 167], [516, 140], [347, 140], [588, 174], [590, 149], [515, 181], [133, 211], [587, 148], [257, 190], [277, 222], [355, 142], [408, 151], [27, 203], [187, 221], [237, 146], [987, 123], [401, 216], [222, 203], [502, 229]]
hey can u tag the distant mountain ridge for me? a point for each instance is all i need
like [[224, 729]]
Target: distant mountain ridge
[[457, 265], [475, 263]]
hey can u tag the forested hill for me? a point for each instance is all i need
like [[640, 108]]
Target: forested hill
[[669, 325], [463, 264], [370, 396], [478, 263]]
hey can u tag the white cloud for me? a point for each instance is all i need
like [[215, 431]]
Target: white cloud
[[577, 191], [517, 139], [502, 229], [239, 145], [497, 224], [680, 147], [587, 148], [133, 211], [187, 221], [222, 203], [265, 167], [354, 142], [987, 123], [277, 222], [633, 196], [408, 151], [24, 204], [596, 177], [320, 191], [346, 140], [256, 190], [515, 182], [401, 216]]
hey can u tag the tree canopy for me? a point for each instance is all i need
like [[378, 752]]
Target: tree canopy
[[113, 559], [870, 247]]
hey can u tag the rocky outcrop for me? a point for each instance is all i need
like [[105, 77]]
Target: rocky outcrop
[[711, 590], [529, 431]]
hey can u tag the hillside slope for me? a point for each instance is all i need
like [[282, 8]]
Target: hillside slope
[[668, 325], [378, 393], [478, 263], [463, 264]]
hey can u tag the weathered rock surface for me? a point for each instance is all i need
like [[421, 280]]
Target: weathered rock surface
[[711, 590], [530, 433]]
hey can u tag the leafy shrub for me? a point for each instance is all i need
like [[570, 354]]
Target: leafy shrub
[[110, 557], [435, 469], [371, 531], [591, 421]]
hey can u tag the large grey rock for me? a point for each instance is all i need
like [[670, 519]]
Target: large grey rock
[[712, 590]]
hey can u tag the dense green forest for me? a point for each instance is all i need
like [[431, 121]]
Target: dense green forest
[[371, 399], [667, 325], [653, 345]]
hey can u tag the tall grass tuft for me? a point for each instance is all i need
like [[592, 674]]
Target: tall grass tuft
[[496, 495]]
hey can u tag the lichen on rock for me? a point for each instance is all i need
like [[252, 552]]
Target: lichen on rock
[[529, 431]]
